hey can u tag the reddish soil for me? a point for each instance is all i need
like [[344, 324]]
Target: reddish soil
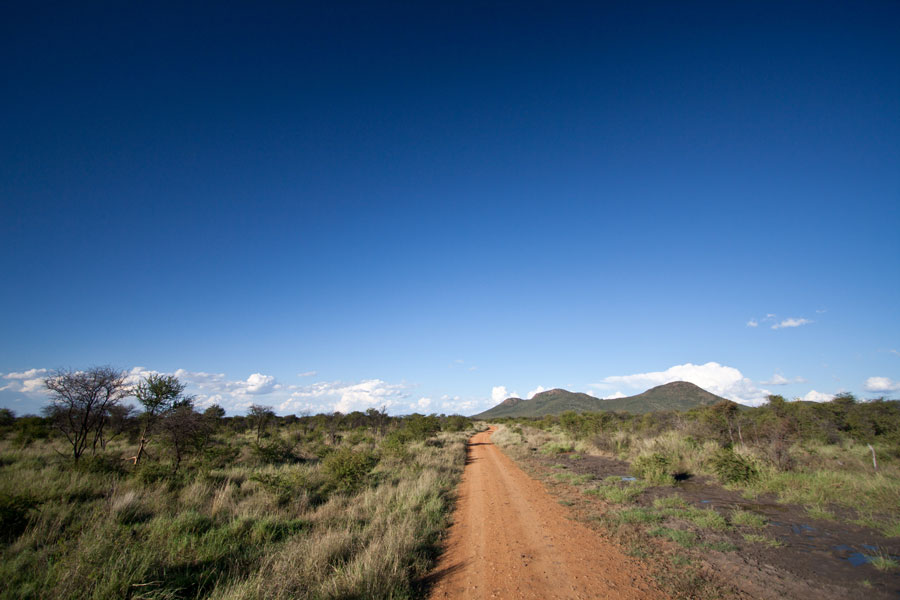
[[511, 539]]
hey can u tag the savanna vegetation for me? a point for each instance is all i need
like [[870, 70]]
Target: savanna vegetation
[[836, 462], [825, 456], [100, 499]]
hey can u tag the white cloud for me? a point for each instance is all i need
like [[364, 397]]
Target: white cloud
[[30, 382], [752, 323], [307, 374], [882, 384], [236, 396], [721, 380], [814, 396], [536, 391], [421, 405], [499, 394], [791, 322], [257, 383], [897, 352], [779, 379], [614, 396], [347, 397], [29, 374]]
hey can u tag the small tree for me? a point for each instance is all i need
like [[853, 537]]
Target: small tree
[[184, 429], [80, 403], [158, 394], [260, 416]]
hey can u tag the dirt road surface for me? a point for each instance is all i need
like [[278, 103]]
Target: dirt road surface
[[511, 539]]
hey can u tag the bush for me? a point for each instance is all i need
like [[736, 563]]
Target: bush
[[348, 470], [151, 472], [653, 468], [220, 456], [102, 464], [731, 467], [557, 448], [14, 515], [276, 452], [290, 486]]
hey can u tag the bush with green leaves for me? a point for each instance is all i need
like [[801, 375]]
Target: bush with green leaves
[[347, 470], [731, 467], [654, 468]]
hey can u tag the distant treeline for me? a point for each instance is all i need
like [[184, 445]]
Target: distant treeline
[[776, 424]]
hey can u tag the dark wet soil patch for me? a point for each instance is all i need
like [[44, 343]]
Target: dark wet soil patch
[[815, 558]]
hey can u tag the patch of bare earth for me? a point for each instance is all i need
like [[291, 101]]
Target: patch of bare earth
[[511, 539]]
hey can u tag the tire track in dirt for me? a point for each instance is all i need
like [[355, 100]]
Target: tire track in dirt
[[511, 539]]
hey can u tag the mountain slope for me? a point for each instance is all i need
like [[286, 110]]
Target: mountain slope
[[678, 395]]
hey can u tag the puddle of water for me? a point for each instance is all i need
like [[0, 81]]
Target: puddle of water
[[800, 528], [705, 501], [856, 558], [627, 478]]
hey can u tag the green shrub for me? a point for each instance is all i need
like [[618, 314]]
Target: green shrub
[[103, 464], [348, 470], [731, 467], [14, 510], [556, 448], [220, 456], [654, 468], [152, 472], [290, 485], [278, 451]]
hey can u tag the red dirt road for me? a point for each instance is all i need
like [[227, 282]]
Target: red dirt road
[[511, 539]]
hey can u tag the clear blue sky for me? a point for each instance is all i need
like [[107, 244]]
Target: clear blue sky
[[432, 207]]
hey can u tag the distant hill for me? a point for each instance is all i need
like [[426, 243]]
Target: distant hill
[[678, 395]]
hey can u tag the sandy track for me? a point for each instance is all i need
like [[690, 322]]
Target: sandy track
[[511, 539]]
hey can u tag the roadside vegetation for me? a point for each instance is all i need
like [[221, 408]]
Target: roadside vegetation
[[840, 459], [817, 456], [100, 501]]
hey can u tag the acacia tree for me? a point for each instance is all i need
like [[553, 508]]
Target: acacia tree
[[184, 429], [81, 401], [158, 394], [260, 417]]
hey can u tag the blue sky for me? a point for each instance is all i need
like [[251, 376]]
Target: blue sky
[[430, 208]]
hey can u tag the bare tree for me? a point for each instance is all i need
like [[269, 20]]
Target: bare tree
[[81, 401]]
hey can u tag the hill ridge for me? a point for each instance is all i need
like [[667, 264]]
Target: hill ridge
[[676, 395]]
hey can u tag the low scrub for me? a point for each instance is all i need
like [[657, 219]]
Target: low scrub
[[654, 468], [245, 518], [732, 468]]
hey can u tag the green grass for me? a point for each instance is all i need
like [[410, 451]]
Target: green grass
[[359, 527], [669, 502], [746, 518], [557, 448], [756, 538], [616, 491], [707, 519], [683, 538], [719, 546], [638, 515], [883, 562], [819, 512]]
